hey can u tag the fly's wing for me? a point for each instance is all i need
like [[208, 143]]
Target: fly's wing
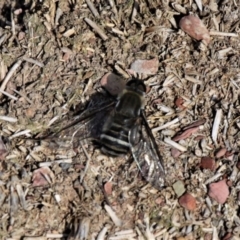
[[146, 154], [89, 124]]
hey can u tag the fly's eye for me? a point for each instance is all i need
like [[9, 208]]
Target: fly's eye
[[142, 87], [134, 135]]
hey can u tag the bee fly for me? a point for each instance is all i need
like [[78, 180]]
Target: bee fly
[[120, 127]]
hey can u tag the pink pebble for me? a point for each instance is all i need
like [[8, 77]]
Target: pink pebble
[[113, 83], [108, 188], [187, 201], [207, 163], [145, 66], [195, 28], [219, 191], [175, 152], [221, 152]]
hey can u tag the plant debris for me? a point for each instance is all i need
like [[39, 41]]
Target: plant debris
[[55, 59]]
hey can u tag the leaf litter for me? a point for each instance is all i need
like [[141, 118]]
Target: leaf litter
[[53, 56]]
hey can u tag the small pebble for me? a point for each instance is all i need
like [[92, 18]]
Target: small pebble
[[195, 28], [113, 83], [179, 103], [187, 201], [175, 152], [179, 188], [30, 112], [65, 166], [145, 66], [207, 163], [219, 191], [160, 201], [65, 57], [18, 11], [108, 188], [221, 152], [21, 35]]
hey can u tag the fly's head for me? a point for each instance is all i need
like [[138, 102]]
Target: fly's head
[[136, 86]]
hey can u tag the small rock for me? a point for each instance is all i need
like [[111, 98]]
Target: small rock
[[30, 112], [18, 11], [208, 163], [113, 83], [175, 152], [65, 57], [219, 191], [187, 201], [21, 35], [160, 201], [221, 152], [195, 28], [145, 66], [108, 188], [179, 103], [179, 188]]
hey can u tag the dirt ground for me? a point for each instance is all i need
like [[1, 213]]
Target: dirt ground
[[53, 57]]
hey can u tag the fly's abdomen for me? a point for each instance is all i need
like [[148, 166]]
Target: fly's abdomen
[[116, 130], [114, 137]]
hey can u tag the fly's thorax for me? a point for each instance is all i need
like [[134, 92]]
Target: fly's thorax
[[130, 103]]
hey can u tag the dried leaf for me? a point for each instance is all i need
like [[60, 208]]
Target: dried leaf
[[185, 134], [195, 124]]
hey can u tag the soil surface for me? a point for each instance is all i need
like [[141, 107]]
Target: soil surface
[[54, 57]]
